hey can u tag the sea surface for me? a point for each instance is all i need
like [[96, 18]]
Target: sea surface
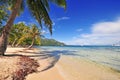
[[105, 55]]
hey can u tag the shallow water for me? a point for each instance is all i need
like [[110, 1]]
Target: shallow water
[[105, 55]]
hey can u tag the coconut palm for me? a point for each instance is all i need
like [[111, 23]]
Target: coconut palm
[[32, 33], [16, 32], [3, 14], [38, 8]]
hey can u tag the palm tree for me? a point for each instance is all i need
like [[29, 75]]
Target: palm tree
[[39, 10], [16, 32], [32, 33], [3, 14]]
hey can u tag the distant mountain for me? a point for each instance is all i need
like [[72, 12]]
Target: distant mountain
[[51, 42]]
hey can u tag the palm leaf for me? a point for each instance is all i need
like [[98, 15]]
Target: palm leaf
[[61, 3], [39, 11], [46, 4]]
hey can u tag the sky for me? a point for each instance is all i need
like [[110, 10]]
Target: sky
[[84, 22]]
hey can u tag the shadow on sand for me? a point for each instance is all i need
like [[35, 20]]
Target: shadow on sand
[[53, 56]]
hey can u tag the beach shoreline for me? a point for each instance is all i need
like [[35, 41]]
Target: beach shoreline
[[66, 68]]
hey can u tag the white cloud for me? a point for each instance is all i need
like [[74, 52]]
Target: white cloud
[[44, 32], [102, 33], [63, 18], [106, 27]]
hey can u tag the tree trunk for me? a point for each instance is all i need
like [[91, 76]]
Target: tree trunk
[[17, 45], [13, 44], [3, 44], [7, 28], [33, 40]]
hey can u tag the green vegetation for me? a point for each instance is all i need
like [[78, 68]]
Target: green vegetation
[[23, 35], [27, 36], [51, 42], [39, 10], [3, 14]]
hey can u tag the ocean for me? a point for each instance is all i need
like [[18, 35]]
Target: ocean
[[104, 55]]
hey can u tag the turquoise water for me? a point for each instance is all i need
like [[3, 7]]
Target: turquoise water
[[105, 55]]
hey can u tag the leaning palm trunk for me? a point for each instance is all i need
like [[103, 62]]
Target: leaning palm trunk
[[33, 40], [7, 28], [13, 44]]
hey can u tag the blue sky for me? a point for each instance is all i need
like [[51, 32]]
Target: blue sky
[[84, 22]]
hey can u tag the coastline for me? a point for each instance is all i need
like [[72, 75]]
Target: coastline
[[86, 70], [65, 68]]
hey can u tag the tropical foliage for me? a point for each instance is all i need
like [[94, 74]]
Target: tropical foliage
[[39, 10], [3, 14], [16, 32], [27, 36], [23, 35]]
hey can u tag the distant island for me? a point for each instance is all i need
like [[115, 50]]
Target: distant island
[[51, 42]]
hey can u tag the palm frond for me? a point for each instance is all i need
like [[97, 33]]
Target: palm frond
[[39, 11], [38, 40], [61, 3], [46, 4]]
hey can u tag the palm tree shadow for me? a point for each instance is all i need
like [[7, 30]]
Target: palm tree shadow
[[55, 55], [53, 60], [39, 56], [51, 56]]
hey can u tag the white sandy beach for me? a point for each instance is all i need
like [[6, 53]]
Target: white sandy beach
[[66, 67]]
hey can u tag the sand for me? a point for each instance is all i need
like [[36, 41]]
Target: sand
[[85, 70], [14, 67], [66, 68]]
